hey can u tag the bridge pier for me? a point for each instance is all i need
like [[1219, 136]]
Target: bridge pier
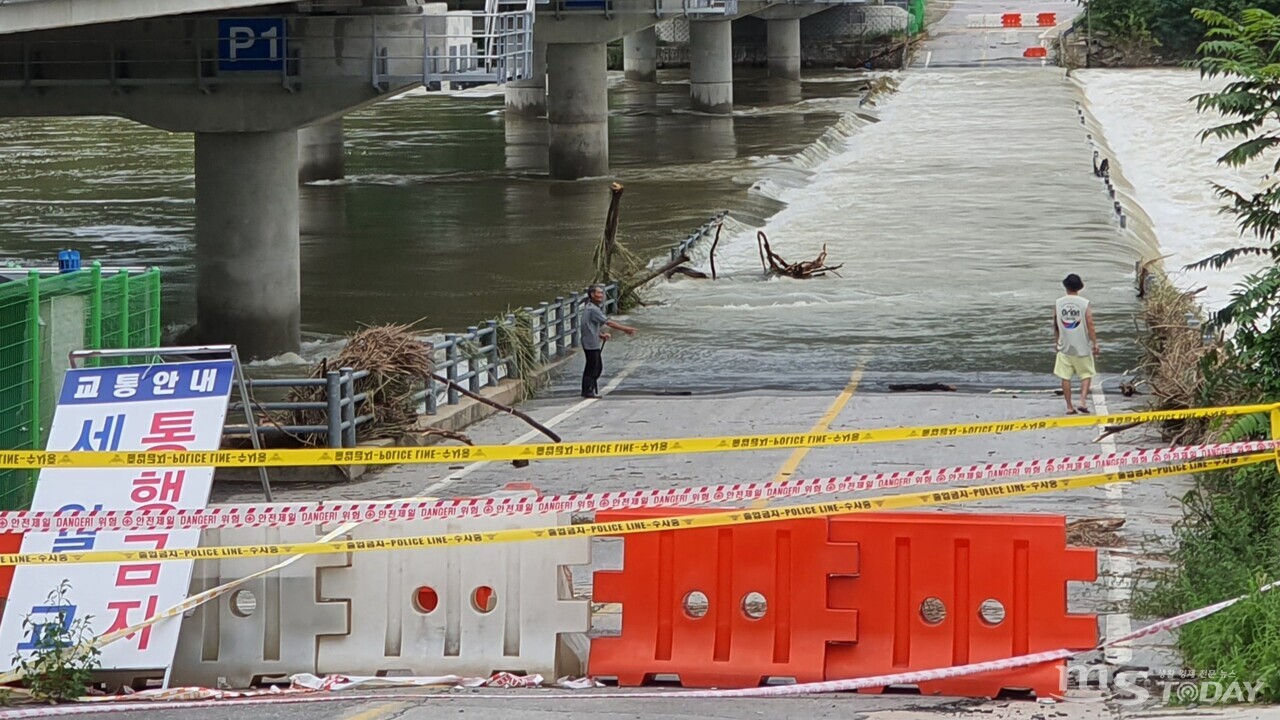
[[248, 285], [321, 155], [783, 52], [711, 66], [577, 110], [783, 45], [640, 55], [529, 96]]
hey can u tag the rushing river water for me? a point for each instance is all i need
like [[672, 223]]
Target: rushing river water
[[955, 217], [1146, 118]]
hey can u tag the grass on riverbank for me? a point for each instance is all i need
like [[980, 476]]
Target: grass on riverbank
[[1228, 541], [1175, 353]]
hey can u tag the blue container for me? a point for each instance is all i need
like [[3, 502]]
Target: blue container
[[68, 261]]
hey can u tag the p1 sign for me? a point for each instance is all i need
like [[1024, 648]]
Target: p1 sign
[[251, 44]]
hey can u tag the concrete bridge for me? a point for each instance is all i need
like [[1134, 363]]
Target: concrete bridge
[[249, 77]]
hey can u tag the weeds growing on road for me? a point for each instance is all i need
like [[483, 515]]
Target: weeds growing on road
[[1228, 542], [62, 663]]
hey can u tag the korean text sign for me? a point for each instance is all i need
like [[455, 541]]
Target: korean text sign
[[165, 407]]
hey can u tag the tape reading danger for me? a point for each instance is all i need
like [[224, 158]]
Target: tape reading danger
[[13, 459], [733, 517], [304, 514]]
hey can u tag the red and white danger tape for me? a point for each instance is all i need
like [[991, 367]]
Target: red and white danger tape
[[309, 688], [278, 515]]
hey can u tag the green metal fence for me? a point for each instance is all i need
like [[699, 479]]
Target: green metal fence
[[917, 10], [42, 317]]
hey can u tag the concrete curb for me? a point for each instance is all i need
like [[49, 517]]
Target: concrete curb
[[453, 418]]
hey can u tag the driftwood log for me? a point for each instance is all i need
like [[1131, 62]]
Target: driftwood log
[[804, 270], [716, 242], [611, 228], [498, 406]]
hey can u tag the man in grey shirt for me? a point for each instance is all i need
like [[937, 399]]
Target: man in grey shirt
[[593, 324]]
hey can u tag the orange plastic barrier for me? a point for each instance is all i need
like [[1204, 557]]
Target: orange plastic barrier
[[844, 597], [9, 543], [1047, 19], [1011, 20], [724, 606], [1035, 52], [939, 590]]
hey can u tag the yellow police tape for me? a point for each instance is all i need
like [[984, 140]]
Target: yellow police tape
[[15, 459], [1275, 431], [733, 517]]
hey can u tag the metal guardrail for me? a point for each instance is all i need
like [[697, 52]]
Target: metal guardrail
[[471, 359], [339, 406], [684, 246], [659, 9], [494, 45]]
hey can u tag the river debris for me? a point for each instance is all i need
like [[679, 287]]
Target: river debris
[[921, 387], [804, 270], [616, 264], [398, 362], [1098, 533], [877, 87], [1176, 353]]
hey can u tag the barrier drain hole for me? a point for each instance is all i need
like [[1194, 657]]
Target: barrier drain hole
[[933, 610], [696, 604], [991, 611], [754, 605], [425, 600], [243, 603], [484, 599]]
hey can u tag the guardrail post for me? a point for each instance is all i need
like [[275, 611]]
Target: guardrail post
[[333, 397], [473, 363], [494, 355], [575, 304], [513, 370], [560, 345], [545, 348], [431, 396], [349, 408], [451, 357]]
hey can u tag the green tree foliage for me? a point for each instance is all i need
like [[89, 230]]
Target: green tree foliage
[[1228, 542], [1246, 52], [1168, 24]]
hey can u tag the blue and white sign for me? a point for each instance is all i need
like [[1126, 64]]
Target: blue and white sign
[[168, 407], [251, 44]]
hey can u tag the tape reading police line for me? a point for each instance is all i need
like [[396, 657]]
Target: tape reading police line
[[402, 510], [733, 517], [11, 459]]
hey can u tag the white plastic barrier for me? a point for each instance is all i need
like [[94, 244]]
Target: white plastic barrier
[[268, 626], [470, 610]]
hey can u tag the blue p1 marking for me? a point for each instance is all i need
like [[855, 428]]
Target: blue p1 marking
[[251, 44]]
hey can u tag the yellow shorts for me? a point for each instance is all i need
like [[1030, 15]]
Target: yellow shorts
[[1074, 365]]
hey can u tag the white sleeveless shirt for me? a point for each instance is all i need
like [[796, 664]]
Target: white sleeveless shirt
[[1073, 332]]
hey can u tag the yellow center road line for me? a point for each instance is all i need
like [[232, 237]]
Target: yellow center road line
[[793, 462], [377, 711]]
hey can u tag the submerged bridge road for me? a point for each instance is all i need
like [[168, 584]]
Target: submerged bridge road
[[1147, 509]]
